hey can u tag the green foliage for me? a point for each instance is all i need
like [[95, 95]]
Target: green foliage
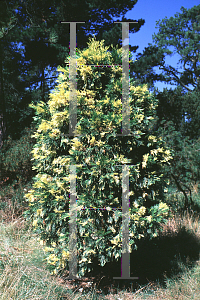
[[142, 68], [183, 172], [191, 110], [178, 35], [96, 154], [178, 125], [15, 173], [7, 18], [171, 109], [15, 157], [181, 35]]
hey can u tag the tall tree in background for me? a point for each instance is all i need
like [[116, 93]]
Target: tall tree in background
[[7, 22], [143, 68], [178, 35], [181, 35], [181, 124], [179, 109]]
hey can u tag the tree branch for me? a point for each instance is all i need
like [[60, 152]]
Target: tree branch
[[181, 189], [178, 79]]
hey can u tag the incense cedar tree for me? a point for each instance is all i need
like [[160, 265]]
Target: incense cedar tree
[[96, 152]]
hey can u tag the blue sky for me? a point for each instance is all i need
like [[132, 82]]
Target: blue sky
[[152, 11]]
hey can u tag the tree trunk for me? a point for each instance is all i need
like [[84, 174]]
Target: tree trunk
[[186, 205]]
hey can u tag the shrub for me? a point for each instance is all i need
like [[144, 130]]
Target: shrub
[[15, 173], [15, 157], [99, 180]]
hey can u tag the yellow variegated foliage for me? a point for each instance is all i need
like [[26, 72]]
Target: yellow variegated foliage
[[97, 153]]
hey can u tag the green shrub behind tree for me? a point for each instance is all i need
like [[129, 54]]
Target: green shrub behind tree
[[15, 157]]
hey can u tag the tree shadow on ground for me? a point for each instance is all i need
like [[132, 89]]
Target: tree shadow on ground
[[152, 262]]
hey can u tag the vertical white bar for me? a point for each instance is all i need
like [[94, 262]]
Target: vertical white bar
[[125, 223], [72, 226], [125, 265], [72, 125], [125, 80], [125, 131], [72, 81]]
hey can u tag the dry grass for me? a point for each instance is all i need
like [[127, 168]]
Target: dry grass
[[23, 272], [187, 220]]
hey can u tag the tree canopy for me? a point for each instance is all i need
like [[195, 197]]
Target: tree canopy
[[181, 35], [178, 35]]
